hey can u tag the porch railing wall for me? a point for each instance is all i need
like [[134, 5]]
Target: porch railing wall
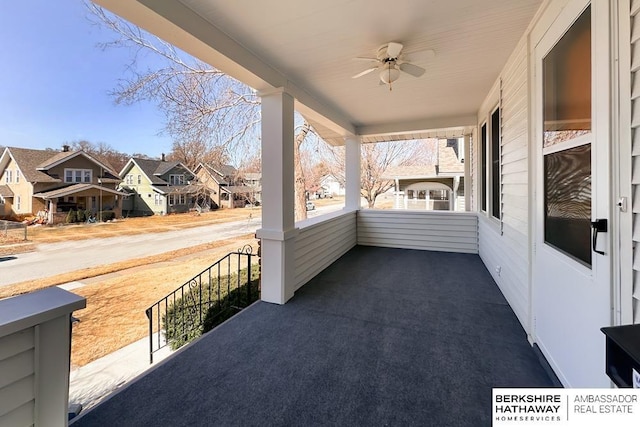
[[321, 241], [35, 344], [425, 230]]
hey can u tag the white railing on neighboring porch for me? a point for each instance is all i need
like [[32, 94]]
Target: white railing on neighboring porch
[[321, 241], [426, 230], [35, 345]]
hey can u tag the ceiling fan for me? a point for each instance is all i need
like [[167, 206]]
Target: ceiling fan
[[390, 62]]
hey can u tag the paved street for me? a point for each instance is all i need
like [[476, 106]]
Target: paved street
[[57, 258]]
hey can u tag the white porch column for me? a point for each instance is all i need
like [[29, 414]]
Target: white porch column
[[278, 225], [352, 173], [453, 205], [467, 173]]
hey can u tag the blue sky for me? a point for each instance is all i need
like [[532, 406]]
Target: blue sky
[[54, 82]]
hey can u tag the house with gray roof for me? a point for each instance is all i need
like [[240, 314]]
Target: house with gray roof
[[52, 182], [157, 187], [438, 186], [226, 186]]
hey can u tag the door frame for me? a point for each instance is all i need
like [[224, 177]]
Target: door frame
[[605, 118]]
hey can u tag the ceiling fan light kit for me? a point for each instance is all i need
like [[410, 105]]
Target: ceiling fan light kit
[[389, 74], [390, 62]]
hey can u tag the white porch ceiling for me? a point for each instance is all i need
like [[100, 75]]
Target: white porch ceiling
[[308, 46]]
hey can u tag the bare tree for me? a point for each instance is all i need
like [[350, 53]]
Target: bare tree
[[375, 163], [300, 183], [102, 152], [206, 112], [209, 115]]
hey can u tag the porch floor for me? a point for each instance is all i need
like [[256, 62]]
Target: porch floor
[[381, 337]]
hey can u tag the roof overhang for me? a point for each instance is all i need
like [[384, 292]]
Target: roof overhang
[[306, 49], [74, 189]]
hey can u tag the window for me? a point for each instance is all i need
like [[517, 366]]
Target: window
[[176, 179], [17, 176], [129, 180], [182, 199], [566, 147], [139, 179], [495, 164], [18, 203], [78, 175], [8, 176], [158, 200], [483, 167], [171, 200]]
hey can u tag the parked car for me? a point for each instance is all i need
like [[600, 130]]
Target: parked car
[[310, 206]]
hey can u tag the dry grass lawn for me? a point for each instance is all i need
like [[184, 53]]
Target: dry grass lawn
[[118, 294], [115, 315], [132, 226]]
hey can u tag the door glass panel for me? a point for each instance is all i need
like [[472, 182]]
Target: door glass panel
[[567, 84], [567, 120], [567, 188]]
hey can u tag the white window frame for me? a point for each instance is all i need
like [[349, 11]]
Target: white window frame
[[177, 179], [158, 199], [171, 200], [82, 174], [491, 157], [18, 203], [17, 176], [8, 176], [139, 179], [129, 180]]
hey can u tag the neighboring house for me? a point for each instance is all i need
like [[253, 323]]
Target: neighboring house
[[331, 186], [157, 187], [54, 182], [432, 187], [227, 187]]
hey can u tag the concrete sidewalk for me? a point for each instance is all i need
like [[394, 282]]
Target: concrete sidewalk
[[93, 382]]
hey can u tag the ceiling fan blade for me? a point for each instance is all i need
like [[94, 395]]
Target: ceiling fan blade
[[414, 70], [367, 71], [362, 58], [393, 50]]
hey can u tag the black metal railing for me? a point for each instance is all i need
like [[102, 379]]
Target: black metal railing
[[209, 298]]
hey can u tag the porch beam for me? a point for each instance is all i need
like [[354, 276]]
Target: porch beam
[[278, 222], [352, 173], [454, 123]]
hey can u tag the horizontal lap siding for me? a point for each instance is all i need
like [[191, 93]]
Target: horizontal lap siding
[[448, 232], [504, 246], [17, 382], [635, 130], [319, 245]]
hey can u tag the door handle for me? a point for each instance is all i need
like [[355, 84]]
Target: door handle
[[598, 226]]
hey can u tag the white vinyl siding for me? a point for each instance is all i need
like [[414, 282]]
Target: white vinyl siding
[[635, 164], [505, 248], [319, 244], [423, 230], [17, 362]]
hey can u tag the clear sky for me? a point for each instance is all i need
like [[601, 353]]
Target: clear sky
[[55, 82]]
